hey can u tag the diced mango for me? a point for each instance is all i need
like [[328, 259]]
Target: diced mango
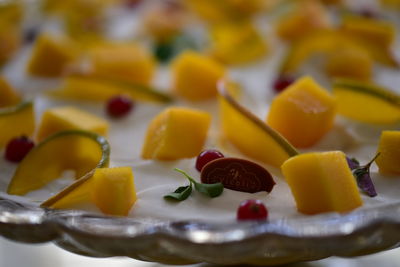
[[8, 96], [51, 55], [176, 133], [16, 121], [10, 40], [322, 182], [195, 76], [76, 150], [129, 62], [389, 149], [237, 43], [68, 118], [349, 63], [305, 18], [303, 113], [114, 190], [249, 134]]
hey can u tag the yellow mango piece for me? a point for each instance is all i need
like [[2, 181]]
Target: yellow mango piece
[[391, 3], [51, 55], [69, 118], [389, 149], [377, 36], [8, 96], [122, 61], [10, 40], [99, 89], [76, 150], [195, 76], [303, 113], [366, 102], [322, 182], [237, 43], [306, 17], [349, 63], [176, 133], [113, 190], [251, 135], [16, 121]]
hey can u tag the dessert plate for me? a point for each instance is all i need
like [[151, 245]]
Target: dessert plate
[[184, 242]]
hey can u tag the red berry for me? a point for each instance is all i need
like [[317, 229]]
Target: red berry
[[206, 156], [282, 82], [252, 210], [17, 148], [119, 106]]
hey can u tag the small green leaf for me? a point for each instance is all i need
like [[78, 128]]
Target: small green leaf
[[180, 194], [212, 190]]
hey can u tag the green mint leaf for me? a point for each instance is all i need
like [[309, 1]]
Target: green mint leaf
[[185, 174], [180, 194], [211, 190]]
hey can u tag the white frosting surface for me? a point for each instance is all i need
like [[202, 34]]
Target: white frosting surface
[[154, 179]]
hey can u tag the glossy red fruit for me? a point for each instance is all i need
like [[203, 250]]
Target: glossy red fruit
[[206, 156], [119, 106], [252, 209], [17, 148], [282, 82]]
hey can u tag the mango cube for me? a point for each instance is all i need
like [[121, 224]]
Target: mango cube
[[322, 182], [176, 133], [195, 76], [50, 56], [129, 62], [303, 113], [68, 118], [16, 121], [8, 96], [113, 190], [389, 149], [350, 63]]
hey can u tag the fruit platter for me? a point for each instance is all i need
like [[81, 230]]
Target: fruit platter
[[227, 132]]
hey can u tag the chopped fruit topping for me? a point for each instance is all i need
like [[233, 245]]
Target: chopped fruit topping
[[282, 82], [119, 106], [51, 55], [322, 182], [75, 150], [8, 96], [176, 133], [206, 156], [303, 113], [195, 76], [17, 148], [237, 174], [389, 149], [130, 62], [113, 190], [366, 102], [68, 118], [252, 209], [15, 121], [94, 88], [255, 138]]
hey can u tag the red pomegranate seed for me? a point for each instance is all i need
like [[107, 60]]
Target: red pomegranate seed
[[119, 106], [252, 210], [282, 82], [17, 148], [206, 156]]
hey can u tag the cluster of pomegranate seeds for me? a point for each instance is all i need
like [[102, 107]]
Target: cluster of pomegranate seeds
[[252, 209], [206, 156], [119, 106], [282, 82], [17, 148]]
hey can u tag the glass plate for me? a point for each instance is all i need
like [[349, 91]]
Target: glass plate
[[183, 242]]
